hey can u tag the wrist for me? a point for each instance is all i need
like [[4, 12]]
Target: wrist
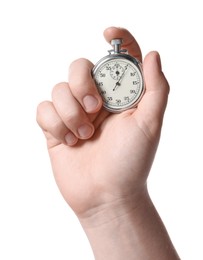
[[129, 228], [113, 210]]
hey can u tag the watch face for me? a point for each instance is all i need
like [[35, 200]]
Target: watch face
[[119, 81]]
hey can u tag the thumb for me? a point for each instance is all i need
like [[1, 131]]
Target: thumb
[[153, 104]]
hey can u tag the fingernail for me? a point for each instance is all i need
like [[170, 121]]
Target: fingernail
[[85, 131], [90, 103], [71, 139]]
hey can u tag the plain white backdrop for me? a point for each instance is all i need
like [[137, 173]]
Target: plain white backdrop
[[38, 41]]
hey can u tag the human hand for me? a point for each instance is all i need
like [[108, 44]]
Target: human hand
[[101, 159]]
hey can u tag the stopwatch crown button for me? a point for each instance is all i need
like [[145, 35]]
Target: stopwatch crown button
[[116, 42]]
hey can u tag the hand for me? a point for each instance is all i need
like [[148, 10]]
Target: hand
[[101, 159]]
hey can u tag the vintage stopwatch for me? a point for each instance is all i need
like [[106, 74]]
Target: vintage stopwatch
[[119, 79]]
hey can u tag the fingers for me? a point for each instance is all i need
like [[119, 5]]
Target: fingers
[[129, 41], [52, 125], [74, 106], [64, 119], [152, 106], [71, 112]]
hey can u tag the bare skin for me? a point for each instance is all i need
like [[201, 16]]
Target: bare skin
[[101, 161]]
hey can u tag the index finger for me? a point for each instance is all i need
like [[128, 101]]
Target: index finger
[[129, 41]]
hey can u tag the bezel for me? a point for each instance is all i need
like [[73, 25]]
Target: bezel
[[138, 65]]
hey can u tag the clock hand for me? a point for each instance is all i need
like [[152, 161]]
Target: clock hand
[[117, 85], [121, 77]]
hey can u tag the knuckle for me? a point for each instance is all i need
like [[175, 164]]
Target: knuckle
[[79, 62], [81, 67], [41, 110], [58, 88], [48, 121], [57, 128], [71, 116]]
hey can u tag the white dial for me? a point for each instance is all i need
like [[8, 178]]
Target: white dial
[[120, 83]]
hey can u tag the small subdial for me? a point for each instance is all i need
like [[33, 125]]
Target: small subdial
[[116, 71]]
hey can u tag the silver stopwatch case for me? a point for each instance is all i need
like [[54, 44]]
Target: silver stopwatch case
[[119, 79]]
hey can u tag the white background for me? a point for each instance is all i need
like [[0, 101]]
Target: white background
[[38, 41]]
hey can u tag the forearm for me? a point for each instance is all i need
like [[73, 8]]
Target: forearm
[[132, 233]]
